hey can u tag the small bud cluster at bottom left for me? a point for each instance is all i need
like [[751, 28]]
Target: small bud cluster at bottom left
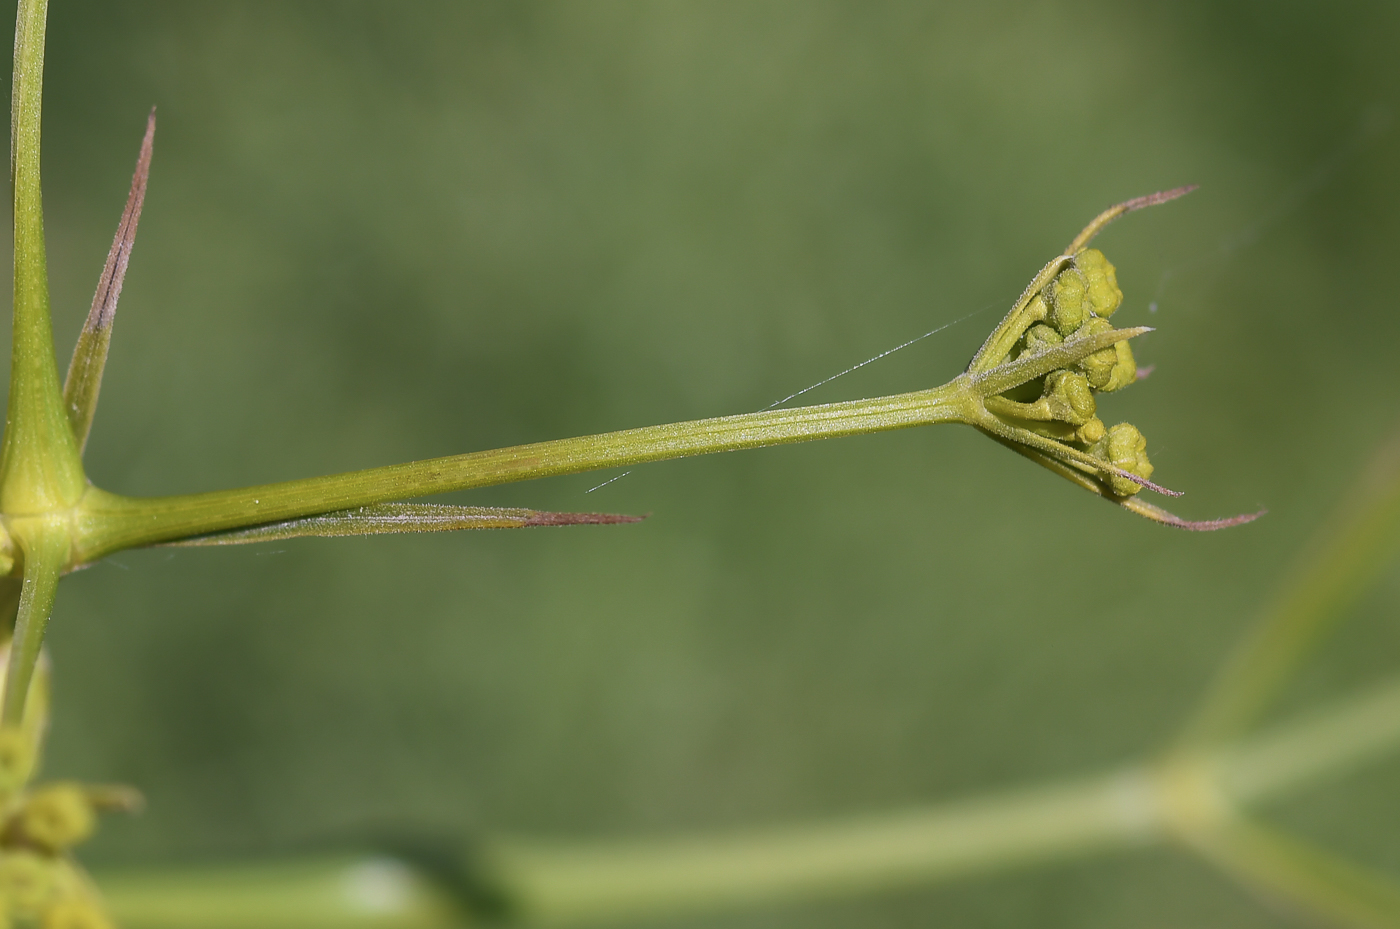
[[41, 885]]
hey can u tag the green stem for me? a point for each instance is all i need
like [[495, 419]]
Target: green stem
[[1316, 598], [45, 554], [605, 881], [108, 522], [330, 893], [583, 882], [40, 468], [1335, 891], [1321, 744]]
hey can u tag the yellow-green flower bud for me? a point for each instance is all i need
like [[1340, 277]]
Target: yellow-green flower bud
[[1102, 279], [56, 817], [1039, 336], [1068, 397], [1098, 367], [1068, 307], [1090, 432], [1124, 448], [1124, 368], [26, 882], [75, 914], [16, 758], [1111, 368]]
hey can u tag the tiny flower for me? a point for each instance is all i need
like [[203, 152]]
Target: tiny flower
[[1068, 304], [75, 914], [16, 758], [56, 817], [1067, 393], [27, 881], [1040, 335], [1102, 279], [1125, 448], [1112, 368]]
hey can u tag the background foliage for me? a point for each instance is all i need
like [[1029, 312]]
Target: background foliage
[[386, 231]]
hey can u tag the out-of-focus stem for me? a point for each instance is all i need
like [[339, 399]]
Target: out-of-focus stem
[[1319, 745], [568, 883], [1315, 599], [558, 884], [1300, 876], [320, 893]]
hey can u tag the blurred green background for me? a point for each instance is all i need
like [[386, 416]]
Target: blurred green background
[[385, 231]]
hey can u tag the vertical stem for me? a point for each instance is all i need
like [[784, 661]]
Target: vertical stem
[[45, 553], [39, 465]]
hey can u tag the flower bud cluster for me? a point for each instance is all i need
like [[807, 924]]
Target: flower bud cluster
[[40, 883], [1062, 406]]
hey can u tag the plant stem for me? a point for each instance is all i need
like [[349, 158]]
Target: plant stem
[[570, 883], [108, 522], [328, 893], [1318, 745], [1332, 576], [579, 883], [40, 468], [583, 883], [45, 554], [1335, 891]]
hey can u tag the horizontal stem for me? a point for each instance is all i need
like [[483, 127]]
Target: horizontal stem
[[581, 883], [606, 881], [1321, 744], [108, 522], [328, 893], [584, 882]]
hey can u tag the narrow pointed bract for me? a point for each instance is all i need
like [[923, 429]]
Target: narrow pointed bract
[[84, 381], [1132, 504], [389, 518], [1119, 209]]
